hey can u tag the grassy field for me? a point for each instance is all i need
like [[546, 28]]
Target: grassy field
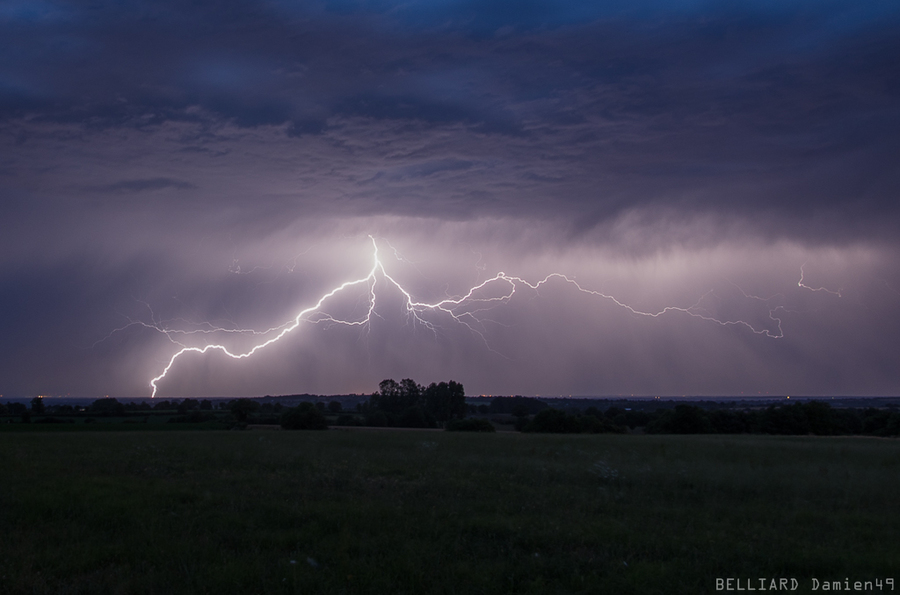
[[434, 512]]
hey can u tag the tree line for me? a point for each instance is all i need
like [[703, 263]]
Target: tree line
[[812, 417], [443, 405]]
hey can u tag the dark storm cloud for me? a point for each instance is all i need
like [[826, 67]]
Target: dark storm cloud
[[739, 108], [144, 185]]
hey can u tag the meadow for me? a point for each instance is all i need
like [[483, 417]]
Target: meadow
[[380, 511]]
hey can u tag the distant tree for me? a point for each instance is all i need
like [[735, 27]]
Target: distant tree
[[892, 428], [3, 410], [445, 401], [304, 417], [415, 417], [848, 421], [376, 418], [107, 407], [37, 406], [559, 422], [243, 408], [614, 412], [633, 419], [470, 424], [553, 421], [520, 410], [60, 410], [320, 405], [396, 397], [335, 407], [593, 424], [206, 405], [731, 422], [821, 418], [593, 411], [785, 419], [684, 419], [16, 409], [347, 420], [509, 404], [188, 405], [192, 417]]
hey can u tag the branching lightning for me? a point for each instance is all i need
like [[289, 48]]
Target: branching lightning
[[800, 283], [466, 310]]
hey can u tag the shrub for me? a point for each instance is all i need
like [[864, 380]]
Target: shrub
[[470, 424], [107, 407], [304, 417], [589, 424], [555, 421], [347, 420], [194, 417], [684, 419]]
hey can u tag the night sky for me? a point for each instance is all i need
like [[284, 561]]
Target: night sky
[[723, 175]]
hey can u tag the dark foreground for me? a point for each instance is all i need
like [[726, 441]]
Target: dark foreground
[[432, 512]]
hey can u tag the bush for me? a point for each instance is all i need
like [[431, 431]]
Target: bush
[[377, 419], [347, 420], [305, 417], [684, 419], [107, 407], [589, 424], [554, 421], [194, 417], [470, 424]]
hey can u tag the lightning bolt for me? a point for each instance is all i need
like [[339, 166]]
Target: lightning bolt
[[804, 286], [463, 309]]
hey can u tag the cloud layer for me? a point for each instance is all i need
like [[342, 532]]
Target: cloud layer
[[227, 161]]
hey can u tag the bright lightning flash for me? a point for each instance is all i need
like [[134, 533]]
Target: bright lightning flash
[[463, 309], [800, 283]]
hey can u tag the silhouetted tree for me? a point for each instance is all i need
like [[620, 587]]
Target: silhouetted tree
[[37, 406], [347, 420], [243, 408], [306, 416], [445, 400], [530, 405], [188, 405], [394, 397], [335, 407], [684, 419], [107, 407], [470, 424], [553, 421], [16, 409]]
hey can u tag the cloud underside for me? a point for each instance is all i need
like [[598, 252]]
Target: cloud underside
[[170, 164]]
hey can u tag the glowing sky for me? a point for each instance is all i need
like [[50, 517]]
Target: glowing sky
[[223, 164]]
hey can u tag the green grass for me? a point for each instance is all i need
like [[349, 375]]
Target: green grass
[[417, 512]]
